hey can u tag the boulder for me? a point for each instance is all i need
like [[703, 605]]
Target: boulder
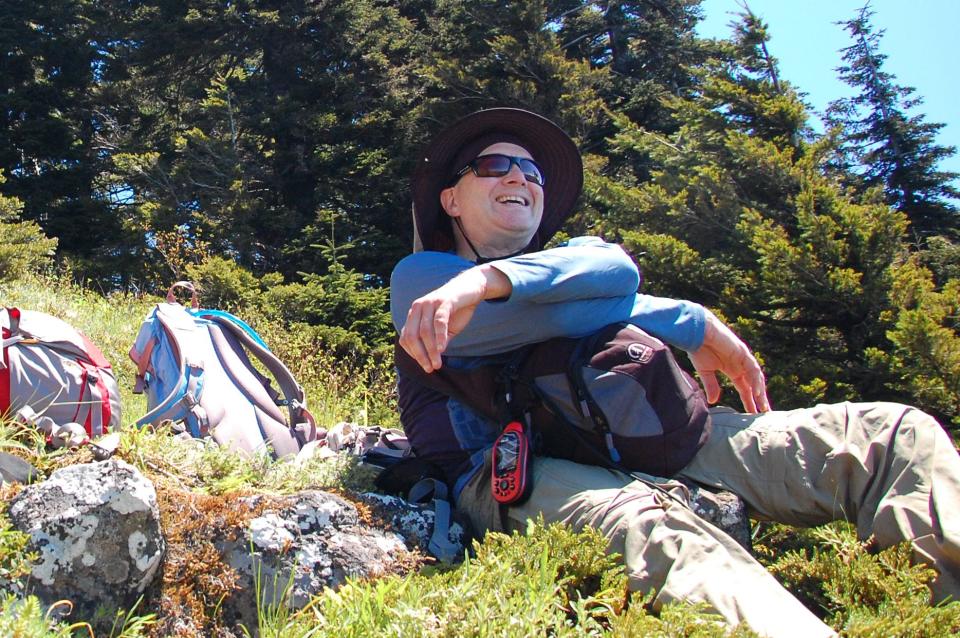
[[300, 545], [96, 529]]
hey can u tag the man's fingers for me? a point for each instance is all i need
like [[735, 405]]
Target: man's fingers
[[414, 347], [746, 396], [757, 385], [441, 335], [761, 399], [412, 338], [711, 386], [428, 335]]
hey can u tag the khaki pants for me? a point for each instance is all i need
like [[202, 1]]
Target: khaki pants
[[888, 468]]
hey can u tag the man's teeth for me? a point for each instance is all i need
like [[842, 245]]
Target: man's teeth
[[512, 199]]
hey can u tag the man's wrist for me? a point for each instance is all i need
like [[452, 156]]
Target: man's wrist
[[710, 326], [479, 283], [496, 284]]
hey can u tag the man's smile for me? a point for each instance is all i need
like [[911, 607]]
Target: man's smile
[[513, 199]]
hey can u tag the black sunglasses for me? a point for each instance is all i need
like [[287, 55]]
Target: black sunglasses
[[498, 165]]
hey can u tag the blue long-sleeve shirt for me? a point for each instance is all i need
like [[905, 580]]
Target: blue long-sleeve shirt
[[569, 291]]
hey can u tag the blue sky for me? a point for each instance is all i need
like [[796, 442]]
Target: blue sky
[[922, 44]]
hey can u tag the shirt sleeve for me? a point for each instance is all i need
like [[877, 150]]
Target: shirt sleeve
[[536, 313], [585, 268], [417, 274]]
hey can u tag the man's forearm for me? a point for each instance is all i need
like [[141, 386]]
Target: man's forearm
[[516, 318], [587, 269], [501, 327]]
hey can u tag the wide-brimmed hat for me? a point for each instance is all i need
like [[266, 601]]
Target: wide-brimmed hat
[[461, 142]]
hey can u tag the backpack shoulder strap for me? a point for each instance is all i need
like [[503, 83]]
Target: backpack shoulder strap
[[434, 492], [221, 316], [301, 420]]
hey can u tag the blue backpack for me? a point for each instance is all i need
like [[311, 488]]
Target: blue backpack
[[193, 364]]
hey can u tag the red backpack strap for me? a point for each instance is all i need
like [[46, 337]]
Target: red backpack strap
[[4, 379], [13, 317]]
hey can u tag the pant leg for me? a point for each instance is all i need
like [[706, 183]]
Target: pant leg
[[890, 469], [665, 545]]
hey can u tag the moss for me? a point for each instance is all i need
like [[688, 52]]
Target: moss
[[194, 579]]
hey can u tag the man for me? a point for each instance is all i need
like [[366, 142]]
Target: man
[[488, 193]]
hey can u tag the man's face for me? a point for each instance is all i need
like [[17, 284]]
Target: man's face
[[499, 215]]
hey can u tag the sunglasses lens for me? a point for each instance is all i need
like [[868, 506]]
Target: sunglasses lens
[[531, 171], [492, 165], [499, 165]]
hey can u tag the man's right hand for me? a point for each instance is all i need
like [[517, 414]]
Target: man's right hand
[[438, 316]]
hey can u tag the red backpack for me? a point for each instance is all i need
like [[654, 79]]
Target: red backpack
[[49, 369]]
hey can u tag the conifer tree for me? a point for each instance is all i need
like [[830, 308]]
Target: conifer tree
[[487, 53], [253, 127], [738, 215], [884, 143], [647, 46], [23, 246], [51, 57]]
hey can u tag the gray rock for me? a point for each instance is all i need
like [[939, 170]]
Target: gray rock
[[290, 553], [415, 522], [725, 510], [96, 528], [13, 469]]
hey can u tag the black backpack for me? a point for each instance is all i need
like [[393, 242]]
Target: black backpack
[[615, 398]]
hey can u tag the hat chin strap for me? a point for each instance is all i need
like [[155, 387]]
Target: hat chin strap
[[481, 259]]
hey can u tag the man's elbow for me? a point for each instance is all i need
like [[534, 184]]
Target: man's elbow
[[627, 272]]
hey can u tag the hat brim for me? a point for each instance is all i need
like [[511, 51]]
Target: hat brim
[[549, 145]]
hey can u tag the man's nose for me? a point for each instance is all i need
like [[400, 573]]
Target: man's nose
[[515, 174]]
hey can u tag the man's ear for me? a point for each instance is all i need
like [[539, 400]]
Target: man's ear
[[448, 201]]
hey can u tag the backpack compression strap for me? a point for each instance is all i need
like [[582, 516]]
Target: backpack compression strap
[[182, 335], [9, 336], [434, 492]]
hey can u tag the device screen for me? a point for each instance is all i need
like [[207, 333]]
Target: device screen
[[508, 450]]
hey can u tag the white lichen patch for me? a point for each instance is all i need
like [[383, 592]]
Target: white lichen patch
[[130, 495], [311, 516], [310, 556], [418, 522], [59, 552], [147, 563], [389, 542], [139, 496], [269, 532], [729, 515], [137, 544], [386, 499]]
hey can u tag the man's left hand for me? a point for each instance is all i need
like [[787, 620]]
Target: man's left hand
[[723, 351]]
